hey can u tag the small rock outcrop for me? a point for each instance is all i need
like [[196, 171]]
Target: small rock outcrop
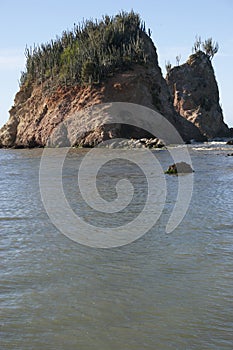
[[195, 95], [179, 168], [134, 143]]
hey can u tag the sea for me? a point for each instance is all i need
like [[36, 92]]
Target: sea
[[161, 291]]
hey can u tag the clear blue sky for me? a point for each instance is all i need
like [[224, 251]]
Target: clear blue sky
[[174, 25]]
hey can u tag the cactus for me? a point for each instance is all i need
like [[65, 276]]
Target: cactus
[[90, 52]]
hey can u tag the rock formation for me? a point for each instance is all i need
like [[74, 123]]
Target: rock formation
[[35, 114], [113, 60], [195, 95]]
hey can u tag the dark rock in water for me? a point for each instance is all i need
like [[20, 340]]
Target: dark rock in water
[[179, 168], [230, 142], [230, 154]]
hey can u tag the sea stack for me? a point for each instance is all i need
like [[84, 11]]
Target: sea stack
[[195, 95]]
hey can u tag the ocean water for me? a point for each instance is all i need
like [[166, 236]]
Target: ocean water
[[162, 291]]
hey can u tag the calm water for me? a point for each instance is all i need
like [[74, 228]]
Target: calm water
[[164, 291]]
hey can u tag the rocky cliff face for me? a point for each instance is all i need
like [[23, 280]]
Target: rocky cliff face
[[195, 95], [36, 113]]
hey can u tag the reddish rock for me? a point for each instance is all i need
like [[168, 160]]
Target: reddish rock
[[196, 97]]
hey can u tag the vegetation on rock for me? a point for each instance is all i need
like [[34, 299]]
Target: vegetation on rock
[[89, 53], [209, 47], [168, 66], [62, 76]]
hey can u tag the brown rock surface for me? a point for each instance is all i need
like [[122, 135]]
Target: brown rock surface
[[195, 95]]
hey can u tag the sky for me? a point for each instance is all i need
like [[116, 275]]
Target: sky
[[174, 26]]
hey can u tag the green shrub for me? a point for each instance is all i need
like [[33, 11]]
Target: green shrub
[[90, 52]]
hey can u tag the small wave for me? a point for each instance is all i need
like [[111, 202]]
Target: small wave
[[215, 143], [212, 149]]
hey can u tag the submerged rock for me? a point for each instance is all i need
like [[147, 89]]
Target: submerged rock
[[179, 168]]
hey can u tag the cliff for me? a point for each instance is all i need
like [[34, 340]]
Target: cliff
[[195, 95], [34, 115]]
